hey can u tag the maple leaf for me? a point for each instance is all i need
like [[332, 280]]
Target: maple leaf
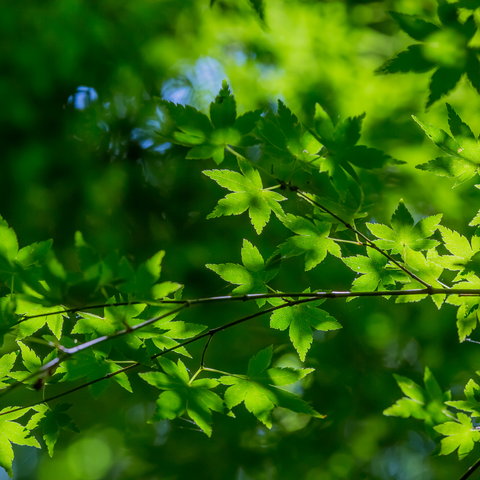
[[300, 320], [252, 277], [459, 435], [471, 404], [375, 275], [56, 419], [116, 317], [143, 284], [464, 258], [340, 152], [260, 392], [463, 152], [444, 48], [182, 395], [404, 234], [424, 268], [311, 240], [26, 306], [13, 432], [208, 137], [424, 404], [6, 364], [249, 195], [468, 311]]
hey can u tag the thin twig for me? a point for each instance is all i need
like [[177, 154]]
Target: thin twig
[[369, 242], [68, 352], [210, 333], [258, 296], [471, 470]]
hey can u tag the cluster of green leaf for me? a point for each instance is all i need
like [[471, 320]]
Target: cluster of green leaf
[[445, 47], [89, 326], [431, 406]]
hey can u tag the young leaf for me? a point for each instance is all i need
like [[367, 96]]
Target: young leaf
[[183, 396], [260, 389], [13, 432], [468, 311], [28, 307], [8, 241], [311, 240], [300, 320], [459, 435], [116, 318], [428, 271], [142, 284], [471, 404], [404, 234], [424, 404], [208, 139], [374, 273], [249, 195], [252, 277], [463, 254]]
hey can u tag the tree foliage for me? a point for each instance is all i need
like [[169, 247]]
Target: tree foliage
[[117, 336]]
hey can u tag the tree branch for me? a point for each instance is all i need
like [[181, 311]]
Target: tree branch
[[210, 333], [367, 240], [471, 470]]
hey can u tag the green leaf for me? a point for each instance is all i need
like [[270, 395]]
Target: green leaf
[[463, 150], [463, 254], [311, 240], [471, 405], [54, 421], [300, 320], [183, 396], [260, 391], [249, 195], [473, 70], [427, 405], [8, 317], [424, 268], [8, 241], [468, 311], [347, 132], [13, 432], [459, 435], [28, 307], [374, 273], [416, 27], [116, 318], [223, 111], [143, 284], [252, 277], [410, 60], [6, 364], [443, 80], [404, 234]]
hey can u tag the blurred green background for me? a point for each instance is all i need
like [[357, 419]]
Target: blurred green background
[[78, 153]]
